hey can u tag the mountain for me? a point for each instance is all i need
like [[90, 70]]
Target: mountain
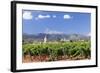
[[53, 37]]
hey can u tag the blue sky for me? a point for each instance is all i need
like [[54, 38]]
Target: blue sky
[[56, 22]]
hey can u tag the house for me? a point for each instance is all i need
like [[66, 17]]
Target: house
[[63, 39]]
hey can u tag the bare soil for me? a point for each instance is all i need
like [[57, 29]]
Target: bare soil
[[46, 58]]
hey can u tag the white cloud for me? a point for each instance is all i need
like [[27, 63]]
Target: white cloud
[[42, 16], [27, 15], [66, 16], [48, 31], [55, 32], [54, 16]]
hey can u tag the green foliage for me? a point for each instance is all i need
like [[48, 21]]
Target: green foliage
[[55, 49]]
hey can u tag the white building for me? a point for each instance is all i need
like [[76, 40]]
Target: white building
[[45, 39]]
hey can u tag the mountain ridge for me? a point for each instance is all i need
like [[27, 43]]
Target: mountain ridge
[[54, 37]]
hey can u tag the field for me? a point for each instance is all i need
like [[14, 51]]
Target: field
[[56, 51]]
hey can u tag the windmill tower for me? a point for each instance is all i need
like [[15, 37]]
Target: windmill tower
[[45, 39]]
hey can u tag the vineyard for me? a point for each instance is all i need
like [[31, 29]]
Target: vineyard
[[55, 51]]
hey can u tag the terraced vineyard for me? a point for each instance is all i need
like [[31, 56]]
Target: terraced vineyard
[[55, 51]]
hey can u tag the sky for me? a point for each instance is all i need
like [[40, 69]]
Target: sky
[[35, 22]]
